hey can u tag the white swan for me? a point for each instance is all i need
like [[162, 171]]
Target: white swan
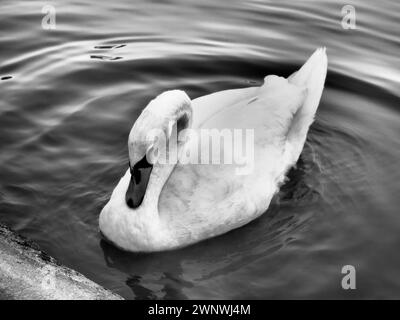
[[174, 205]]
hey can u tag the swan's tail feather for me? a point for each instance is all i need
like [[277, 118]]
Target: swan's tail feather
[[312, 76]]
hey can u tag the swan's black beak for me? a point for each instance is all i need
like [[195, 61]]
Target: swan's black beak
[[140, 175]]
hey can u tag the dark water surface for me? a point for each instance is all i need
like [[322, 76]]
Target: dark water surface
[[69, 96]]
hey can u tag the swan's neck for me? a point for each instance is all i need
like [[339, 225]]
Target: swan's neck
[[158, 178]]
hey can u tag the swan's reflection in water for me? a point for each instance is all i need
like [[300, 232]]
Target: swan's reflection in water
[[169, 275]]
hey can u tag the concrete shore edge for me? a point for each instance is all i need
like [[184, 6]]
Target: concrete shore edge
[[28, 273]]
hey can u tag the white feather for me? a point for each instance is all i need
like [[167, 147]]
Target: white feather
[[184, 204]]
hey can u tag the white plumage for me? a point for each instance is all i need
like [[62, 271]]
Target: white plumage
[[184, 204]]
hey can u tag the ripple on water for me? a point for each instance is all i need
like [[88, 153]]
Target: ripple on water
[[65, 118]]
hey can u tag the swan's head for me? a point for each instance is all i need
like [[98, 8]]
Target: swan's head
[[169, 113], [131, 215]]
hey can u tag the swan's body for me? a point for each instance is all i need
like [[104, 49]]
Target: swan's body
[[186, 203]]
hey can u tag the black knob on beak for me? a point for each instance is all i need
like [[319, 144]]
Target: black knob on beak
[[140, 175]]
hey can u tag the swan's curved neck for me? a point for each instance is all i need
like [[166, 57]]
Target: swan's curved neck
[[170, 108], [159, 177]]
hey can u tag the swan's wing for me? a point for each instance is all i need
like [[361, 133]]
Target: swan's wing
[[311, 76], [210, 198], [269, 111], [207, 106]]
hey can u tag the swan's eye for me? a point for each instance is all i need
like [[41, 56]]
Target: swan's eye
[[140, 176]]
